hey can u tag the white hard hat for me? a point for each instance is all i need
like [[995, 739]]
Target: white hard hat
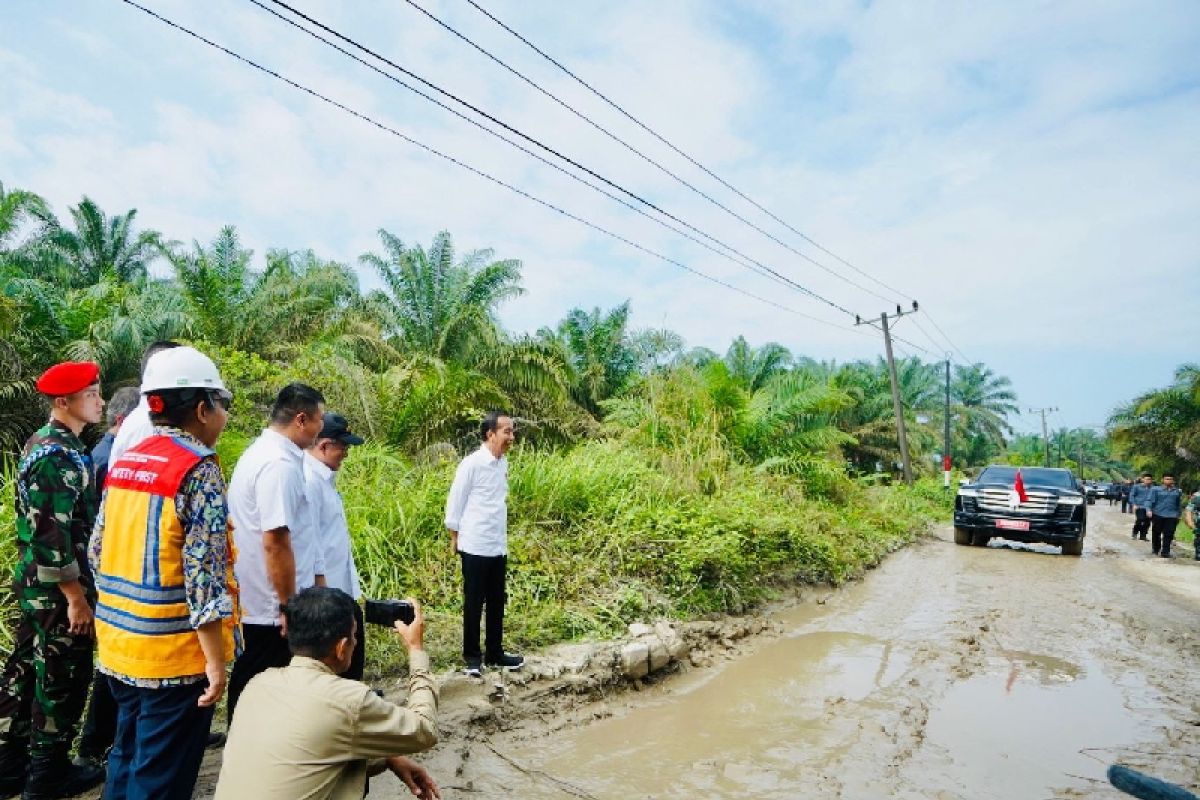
[[181, 368]]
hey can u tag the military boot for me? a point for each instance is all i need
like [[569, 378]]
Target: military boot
[[14, 766], [52, 776]]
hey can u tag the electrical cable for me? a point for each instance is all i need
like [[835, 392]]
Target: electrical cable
[[537, 143], [433, 151], [932, 341], [737, 257], [680, 152], [953, 346], [696, 190]]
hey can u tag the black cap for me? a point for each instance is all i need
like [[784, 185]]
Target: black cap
[[337, 428]]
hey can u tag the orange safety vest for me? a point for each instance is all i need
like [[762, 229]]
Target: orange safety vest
[[142, 624]]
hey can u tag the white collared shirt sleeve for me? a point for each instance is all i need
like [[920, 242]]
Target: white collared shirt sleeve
[[460, 490]]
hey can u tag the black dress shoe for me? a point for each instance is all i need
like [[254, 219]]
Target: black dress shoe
[[507, 661]]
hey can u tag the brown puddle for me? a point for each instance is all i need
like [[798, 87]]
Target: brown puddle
[[1029, 724], [754, 726], [784, 720]]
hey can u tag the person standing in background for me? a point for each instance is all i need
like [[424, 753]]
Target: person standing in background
[[477, 520], [100, 723], [45, 679], [137, 425], [1191, 517], [321, 464], [167, 618], [1139, 493], [1164, 506], [120, 405], [278, 551]]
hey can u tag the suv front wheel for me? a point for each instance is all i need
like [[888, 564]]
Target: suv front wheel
[[1074, 548], [962, 535]]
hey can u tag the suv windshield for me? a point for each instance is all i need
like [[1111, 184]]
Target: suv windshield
[[1032, 476]]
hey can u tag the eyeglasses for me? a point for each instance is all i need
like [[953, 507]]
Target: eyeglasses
[[222, 399]]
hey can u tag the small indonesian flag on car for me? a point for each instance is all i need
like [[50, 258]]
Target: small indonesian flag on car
[[1019, 488]]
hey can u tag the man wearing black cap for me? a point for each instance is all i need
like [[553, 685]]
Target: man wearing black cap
[[45, 680], [321, 463]]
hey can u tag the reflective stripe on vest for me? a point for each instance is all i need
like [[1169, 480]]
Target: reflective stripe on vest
[[143, 627]]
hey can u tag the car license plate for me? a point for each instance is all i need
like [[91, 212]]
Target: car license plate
[[1013, 524]]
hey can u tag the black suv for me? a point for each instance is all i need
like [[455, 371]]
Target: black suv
[[1054, 511]]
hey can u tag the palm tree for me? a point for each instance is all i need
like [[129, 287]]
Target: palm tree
[[441, 316], [215, 282], [100, 247], [1160, 429], [983, 402], [595, 346], [438, 307], [19, 207], [753, 368], [112, 323], [656, 348]]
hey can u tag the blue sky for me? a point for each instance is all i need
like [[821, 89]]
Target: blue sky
[[1029, 171]]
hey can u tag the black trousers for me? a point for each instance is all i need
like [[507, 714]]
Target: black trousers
[[100, 724], [263, 649], [1141, 523], [1162, 534], [1124, 505], [358, 661], [483, 586]]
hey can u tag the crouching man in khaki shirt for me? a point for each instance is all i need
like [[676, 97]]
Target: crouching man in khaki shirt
[[303, 732]]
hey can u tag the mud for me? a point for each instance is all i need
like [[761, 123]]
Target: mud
[[949, 672], [1006, 671]]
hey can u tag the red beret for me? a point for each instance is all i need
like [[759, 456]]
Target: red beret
[[68, 377]]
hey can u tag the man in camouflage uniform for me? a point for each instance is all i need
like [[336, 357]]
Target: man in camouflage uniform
[[1191, 518], [45, 680]]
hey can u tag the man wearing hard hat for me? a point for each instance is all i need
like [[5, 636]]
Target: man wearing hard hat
[[45, 680], [167, 620]]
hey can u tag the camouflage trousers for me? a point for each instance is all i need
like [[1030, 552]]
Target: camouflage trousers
[[45, 681]]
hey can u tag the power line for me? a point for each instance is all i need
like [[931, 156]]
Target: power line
[[433, 151], [680, 152], [537, 143], [899, 314], [689, 158], [967, 362], [567, 106], [737, 257], [925, 333]]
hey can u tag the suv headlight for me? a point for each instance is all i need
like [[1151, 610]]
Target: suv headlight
[[1070, 500], [968, 493]]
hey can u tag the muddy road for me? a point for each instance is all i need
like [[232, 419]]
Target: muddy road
[[950, 672]]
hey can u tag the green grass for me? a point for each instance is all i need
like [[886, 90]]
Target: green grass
[[603, 534]]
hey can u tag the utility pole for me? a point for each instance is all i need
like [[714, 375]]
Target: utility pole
[[946, 449], [1045, 435], [897, 406]]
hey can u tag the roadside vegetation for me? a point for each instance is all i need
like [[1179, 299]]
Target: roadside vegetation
[[650, 478]]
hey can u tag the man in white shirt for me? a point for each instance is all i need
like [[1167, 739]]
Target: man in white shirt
[[137, 427], [277, 549], [321, 463], [477, 519]]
